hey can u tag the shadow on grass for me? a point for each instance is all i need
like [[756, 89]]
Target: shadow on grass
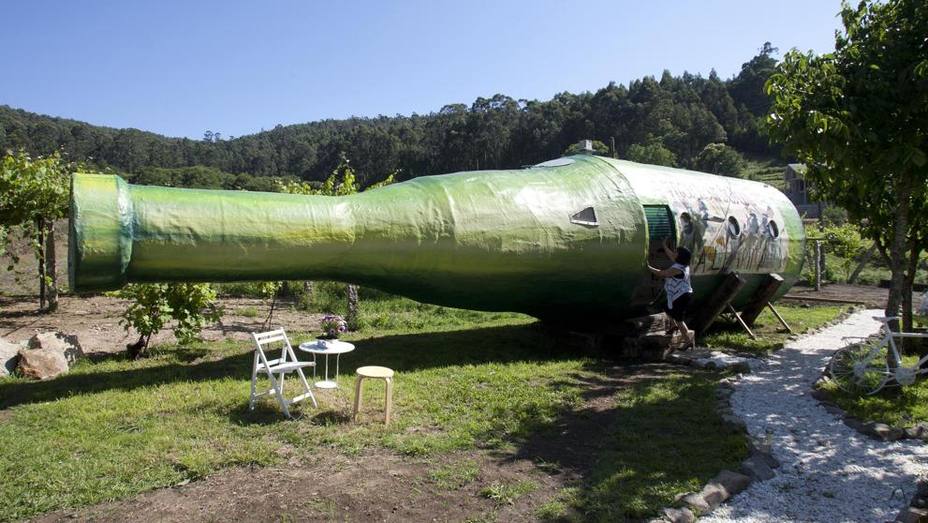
[[267, 413], [643, 434], [407, 352]]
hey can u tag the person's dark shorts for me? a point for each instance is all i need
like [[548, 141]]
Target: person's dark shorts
[[679, 306]]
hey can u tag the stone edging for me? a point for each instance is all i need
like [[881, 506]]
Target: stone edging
[[873, 429], [758, 466], [917, 511]]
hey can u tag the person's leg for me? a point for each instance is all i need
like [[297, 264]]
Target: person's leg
[[690, 339], [680, 305], [670, 323]]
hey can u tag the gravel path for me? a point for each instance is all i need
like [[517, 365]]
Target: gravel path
[[829, 471]]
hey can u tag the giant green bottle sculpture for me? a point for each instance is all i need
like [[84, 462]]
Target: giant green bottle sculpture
[[566, 239]]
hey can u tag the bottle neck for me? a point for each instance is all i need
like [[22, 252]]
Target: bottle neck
[[188, 234]]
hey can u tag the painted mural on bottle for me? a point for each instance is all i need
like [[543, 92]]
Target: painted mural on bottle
[[726, 233]]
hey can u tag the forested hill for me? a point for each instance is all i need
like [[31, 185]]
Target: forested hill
[[667, 120]]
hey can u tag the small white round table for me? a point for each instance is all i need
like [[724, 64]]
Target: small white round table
[[327, 347]]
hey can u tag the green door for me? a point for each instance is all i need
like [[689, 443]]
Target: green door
[[660, 226]]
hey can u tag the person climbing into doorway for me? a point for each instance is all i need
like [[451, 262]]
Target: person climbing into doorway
[[678, 288]]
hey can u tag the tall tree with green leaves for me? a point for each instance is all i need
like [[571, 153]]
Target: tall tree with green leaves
[[718, 158], [747, 89], [858, 118], [653, 153], [681, 113], [33, 194]]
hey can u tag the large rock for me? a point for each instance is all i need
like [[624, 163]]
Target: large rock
[[695, 502], [9, 355], [679, 515], [723, 486], [919, 431], [66, 344], [42, 364], [757, 467], [883, 431], [49, 354], [913, 515], [720, 360], [766, 457]]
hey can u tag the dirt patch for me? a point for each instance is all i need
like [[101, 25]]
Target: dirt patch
[[871, 297], [369, 487], [95, 321], [384, 486]]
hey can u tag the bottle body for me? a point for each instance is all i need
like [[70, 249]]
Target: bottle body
[[567, 239]]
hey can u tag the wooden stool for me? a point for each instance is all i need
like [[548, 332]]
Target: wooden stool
[[382, 373]]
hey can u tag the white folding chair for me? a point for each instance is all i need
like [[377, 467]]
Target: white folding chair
[[277, 369]]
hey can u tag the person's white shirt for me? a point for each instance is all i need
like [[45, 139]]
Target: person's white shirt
[[675, 286]]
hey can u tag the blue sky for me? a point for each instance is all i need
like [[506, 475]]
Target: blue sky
[[181, 67]]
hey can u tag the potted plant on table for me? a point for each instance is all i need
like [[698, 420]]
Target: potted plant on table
[[332, 326]]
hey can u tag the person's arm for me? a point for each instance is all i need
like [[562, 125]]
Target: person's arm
[[664, 273], [671, 253]]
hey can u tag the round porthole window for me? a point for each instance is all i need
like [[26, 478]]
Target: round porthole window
[[773, 229], [734, 228]]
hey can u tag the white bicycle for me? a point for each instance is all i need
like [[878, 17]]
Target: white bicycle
[[862, 368]]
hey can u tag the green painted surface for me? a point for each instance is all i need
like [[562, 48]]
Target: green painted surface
[[488, 240], [100, 232]]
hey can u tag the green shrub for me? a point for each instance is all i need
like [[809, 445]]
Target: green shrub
[[152, 305]]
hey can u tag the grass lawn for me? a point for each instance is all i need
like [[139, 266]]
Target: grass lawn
[[899, 407], [665, 440], [466, 382], [770, 334]]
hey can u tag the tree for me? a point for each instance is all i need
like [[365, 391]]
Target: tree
[[845, 242], [718, 158], [270, 291], [858, 119], [653, 153], [33, 194], [152, 305], [747, 88], [682, 113]]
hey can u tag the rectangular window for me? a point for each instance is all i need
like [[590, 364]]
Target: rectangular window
[[660, 225]]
